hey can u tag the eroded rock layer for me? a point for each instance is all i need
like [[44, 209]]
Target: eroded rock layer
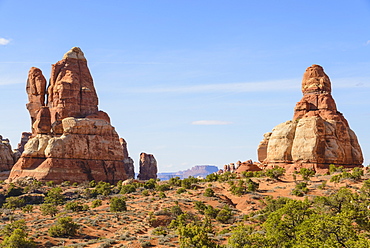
[[317, 136], [7, 156], [71, 139]]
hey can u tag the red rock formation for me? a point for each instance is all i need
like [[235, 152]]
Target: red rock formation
[[71, 139], [248, 166], [24, 138], [128, 162], [148, 167], [319, 134], [36, 88], [7, 156]]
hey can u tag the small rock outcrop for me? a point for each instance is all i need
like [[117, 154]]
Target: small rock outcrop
[[24, 139], [128, 162], [317, 136], [7, 156], [71, 139], [148, 167]]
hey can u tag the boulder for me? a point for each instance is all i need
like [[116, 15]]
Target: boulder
[[318, 135], [148, 167]]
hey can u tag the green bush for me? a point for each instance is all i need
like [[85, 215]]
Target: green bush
[[150, 184], [117, 205], [27, 209], [300, 189], [48, 209], [96, 203], [14, 190], [102, 188], [275, 173], [55, 196], [180, 190], [8, 229], [76, 206], [128, 188], [14, 203], [306, 173], [163, 187], [175, 181], [224, 215], [65, 227], [209, 192], [196, 235], [18, 239]]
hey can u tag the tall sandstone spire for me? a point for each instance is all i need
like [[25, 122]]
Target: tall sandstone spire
[[317, 136], [71, 139]]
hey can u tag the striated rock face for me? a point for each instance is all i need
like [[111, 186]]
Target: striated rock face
[[128, 162], [247, 166], [148, 167], [319, 134], [71, 139], [7, 156]]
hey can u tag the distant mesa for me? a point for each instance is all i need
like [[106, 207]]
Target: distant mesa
[[71, 139], [318, 135], [196, 171]]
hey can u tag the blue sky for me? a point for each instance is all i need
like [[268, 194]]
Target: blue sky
[[193, 82]]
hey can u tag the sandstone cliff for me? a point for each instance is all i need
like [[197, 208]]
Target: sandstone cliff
[[317, 136], [7, 156], [71, 139]]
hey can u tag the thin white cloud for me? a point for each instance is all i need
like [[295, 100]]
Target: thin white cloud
[[211, 122], [227, 87], [4, 41], [368, 42]]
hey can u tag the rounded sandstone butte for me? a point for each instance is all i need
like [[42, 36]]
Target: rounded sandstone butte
[[319, 135], [128, 162], [315, 81], [6, 155], [42, 124], [24, 139], [148, 167], [36, 89], [71, 92]]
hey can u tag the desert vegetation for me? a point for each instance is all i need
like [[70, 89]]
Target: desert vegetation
[[252, 209]]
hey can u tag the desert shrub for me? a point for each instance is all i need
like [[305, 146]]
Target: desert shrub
[[14, 190], [224, 215], [251, 185], [333, 169], [27, 209], [65, 227], [76, 206], [48, 209], [181, 220], [180, 190], [275, 173], [96, 203], [92, 183], [211, 212], [163, 187], [300, 189], [196, 235], [248, 174], [18, 239], [160, 231], [357, 173], [14, 202], [50, 183], [226, 176], [212, 177], [322, 185], [102, 188], [200, 206], [117, 205], [336, 178], [128, 188], [145, 192], [238, 188], [150, 184], [176, 210], [306, 173], [8, 229], [55, 196], [162, 195], [175, 181], [209, 192]]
